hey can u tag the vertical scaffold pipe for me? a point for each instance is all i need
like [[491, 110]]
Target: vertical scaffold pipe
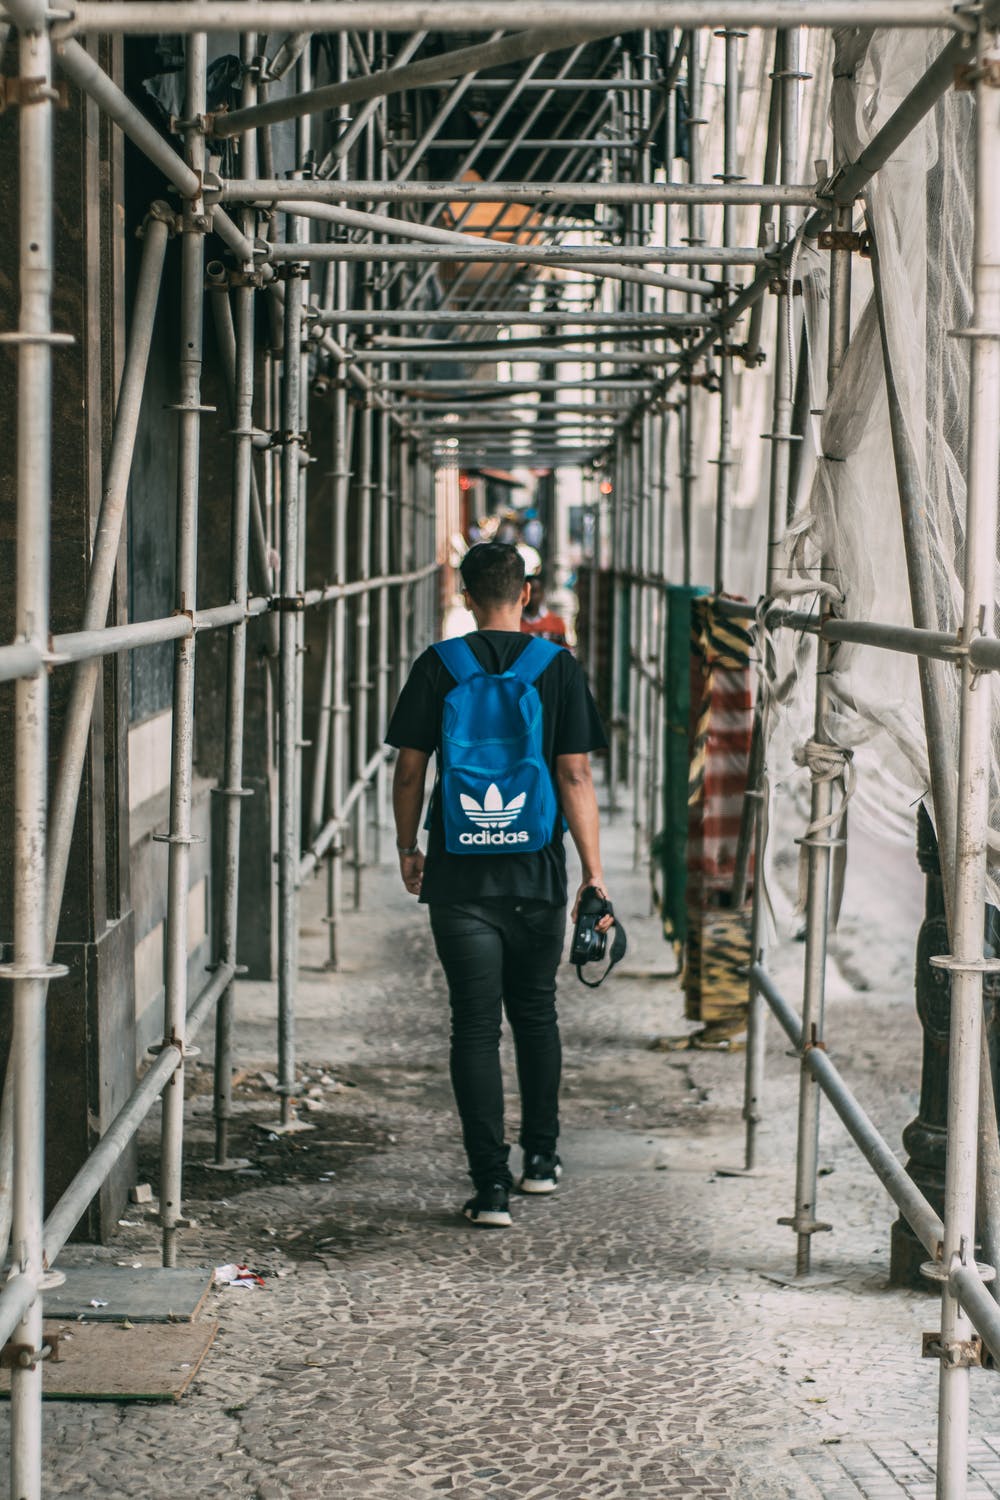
[[786, 83], [695, 236], [658, 653], [362, 638], [687, 477], [640, 698], [820, 838], [966, 963], [363, 603], [30, 971], [343, 429], [724, 476], [636, 682], [403, 541], [304, 166], [179, 838], [615, 642], [384, 665], [288, 684], [232, 789], [342, 417]]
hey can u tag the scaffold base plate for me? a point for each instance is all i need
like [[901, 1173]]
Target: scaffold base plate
[[142, 1294], [807, 1283]]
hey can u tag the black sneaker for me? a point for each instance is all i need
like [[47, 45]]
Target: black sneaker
[[490, 1208], [541, 1173]]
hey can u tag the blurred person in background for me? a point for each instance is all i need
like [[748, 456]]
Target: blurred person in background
[[538, 619]]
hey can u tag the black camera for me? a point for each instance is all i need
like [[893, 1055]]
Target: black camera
[[589, 945]]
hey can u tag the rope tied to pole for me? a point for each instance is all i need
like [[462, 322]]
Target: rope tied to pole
[[830, 763]]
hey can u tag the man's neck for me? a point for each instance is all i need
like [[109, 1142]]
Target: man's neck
[[499, 619]]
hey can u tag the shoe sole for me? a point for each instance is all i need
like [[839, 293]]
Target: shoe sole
[[540, 1185], [489, 1219]]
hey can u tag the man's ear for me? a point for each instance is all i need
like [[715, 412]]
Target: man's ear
[[525, 593]]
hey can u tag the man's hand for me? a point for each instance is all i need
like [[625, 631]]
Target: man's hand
[[411, 868], [595, 883]]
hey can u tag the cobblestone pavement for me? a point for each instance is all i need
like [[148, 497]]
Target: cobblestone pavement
[[622, 1340]]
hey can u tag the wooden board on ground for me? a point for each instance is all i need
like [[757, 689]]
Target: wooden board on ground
[[109, 1362], [149, 1294]]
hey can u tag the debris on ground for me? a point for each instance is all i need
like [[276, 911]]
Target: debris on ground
[[237, 1275]]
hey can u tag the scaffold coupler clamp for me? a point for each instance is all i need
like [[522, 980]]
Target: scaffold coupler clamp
[[26, 1357], [804, 1224], [185, 1049], [162, 213], [955, 1354], [17, 92]]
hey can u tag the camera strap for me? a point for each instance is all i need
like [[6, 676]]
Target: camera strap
[[616, 953]]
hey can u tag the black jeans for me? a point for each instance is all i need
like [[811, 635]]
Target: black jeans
[[502, 954]]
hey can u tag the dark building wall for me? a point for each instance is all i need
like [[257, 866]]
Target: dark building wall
[[91, 1061]]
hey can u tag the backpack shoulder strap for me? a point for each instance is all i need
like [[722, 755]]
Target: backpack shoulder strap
[[459, 658], [534, 659]]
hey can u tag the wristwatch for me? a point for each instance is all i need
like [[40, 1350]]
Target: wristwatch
[[413, 849]]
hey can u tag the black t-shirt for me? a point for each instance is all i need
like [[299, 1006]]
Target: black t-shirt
[[570, 726]]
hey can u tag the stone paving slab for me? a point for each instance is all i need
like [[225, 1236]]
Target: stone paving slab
[[894, 1470]]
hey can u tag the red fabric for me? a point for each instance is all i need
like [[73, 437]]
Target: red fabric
[[715, 820], [549, 626]]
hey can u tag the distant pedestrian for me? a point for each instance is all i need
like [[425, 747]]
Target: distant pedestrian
[[538, 619], [512, 722]]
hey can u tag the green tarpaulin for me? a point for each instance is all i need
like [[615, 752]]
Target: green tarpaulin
[[672, 842]]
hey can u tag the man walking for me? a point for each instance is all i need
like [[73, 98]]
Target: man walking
[[498, 908]]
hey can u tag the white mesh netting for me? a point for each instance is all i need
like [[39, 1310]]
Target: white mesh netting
[[849, 530]]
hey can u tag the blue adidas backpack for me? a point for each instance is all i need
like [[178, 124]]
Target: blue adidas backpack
[[496, 792]]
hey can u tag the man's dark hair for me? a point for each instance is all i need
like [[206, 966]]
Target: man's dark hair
[[493, 573]]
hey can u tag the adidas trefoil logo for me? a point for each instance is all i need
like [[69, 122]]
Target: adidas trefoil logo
[[493, 813]]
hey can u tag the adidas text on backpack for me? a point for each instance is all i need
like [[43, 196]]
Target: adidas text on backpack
[[496, 792]]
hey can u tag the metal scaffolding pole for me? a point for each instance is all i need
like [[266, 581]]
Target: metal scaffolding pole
[[479, 248], [288, 687], [383, 667], [824, 833], [179, 838], [598, 17], [362, 640], [724, 478], [580, 257], [786, 85], [232, 789], [522, 318], [30, 969], [616, 643], [966, 964], [638, 644], [626, 194], [513, 351]]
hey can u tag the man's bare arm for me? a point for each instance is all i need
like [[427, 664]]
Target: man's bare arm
[[578, 800], [408, 781]]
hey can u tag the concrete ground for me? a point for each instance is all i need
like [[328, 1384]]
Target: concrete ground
[[623, 1339]]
